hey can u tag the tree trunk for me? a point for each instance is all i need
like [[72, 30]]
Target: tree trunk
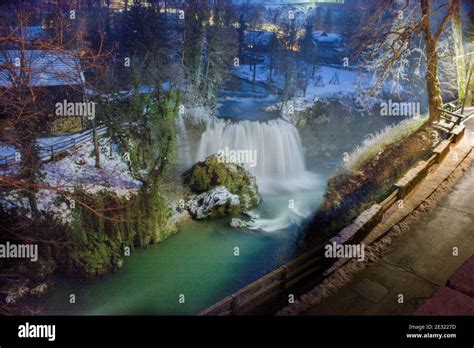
[[288, 78], [33, 205], [199, 58], [254, 69], [469, 87], [432, 81], [30, 162], [206, 75], [306, 80], [96, 145]]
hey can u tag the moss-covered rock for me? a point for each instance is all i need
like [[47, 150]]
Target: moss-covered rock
[[211, 173], [214, 203], [96, 243]]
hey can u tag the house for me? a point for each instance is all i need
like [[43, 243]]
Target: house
[[327, 47], [56, 75]]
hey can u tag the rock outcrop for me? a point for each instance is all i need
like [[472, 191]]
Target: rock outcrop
[[220, 188], [213, 203]]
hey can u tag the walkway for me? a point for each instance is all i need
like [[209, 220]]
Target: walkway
[[419, 262]]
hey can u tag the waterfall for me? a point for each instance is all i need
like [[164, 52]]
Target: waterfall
[[280, 159], [183, 148], [280, 169]]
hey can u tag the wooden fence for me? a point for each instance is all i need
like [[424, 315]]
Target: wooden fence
[[47, 152], [273, 284]]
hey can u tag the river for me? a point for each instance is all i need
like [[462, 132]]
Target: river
[[199, 261]]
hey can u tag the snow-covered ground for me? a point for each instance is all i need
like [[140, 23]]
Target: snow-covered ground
[[77, 170], [323, 84], [126, 93], [6, 150], [328, 82]]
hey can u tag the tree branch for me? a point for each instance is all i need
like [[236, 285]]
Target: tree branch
[[444, 21]]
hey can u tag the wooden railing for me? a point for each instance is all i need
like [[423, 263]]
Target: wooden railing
[[47, 152], [273, 284]]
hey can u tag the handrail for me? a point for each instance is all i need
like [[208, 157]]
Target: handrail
[[46, 152], [271, 285], [451, 113]]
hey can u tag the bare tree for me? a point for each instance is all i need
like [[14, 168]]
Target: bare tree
[[390, 41], [25, 102]]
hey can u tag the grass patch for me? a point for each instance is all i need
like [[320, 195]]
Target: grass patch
[[376, 143]]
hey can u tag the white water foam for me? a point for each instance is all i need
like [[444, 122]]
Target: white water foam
[[280, 171]]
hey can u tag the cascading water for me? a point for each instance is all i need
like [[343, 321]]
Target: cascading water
[[280, 166], [276, 144]]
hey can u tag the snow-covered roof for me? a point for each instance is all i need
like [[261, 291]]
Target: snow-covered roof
[[329, 38], [41, 68], [259, 38]]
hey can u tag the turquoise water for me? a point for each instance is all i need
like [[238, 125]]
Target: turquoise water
[[198, 262]]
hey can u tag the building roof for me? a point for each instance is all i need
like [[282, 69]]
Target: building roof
[[328, 38], [40, 68]]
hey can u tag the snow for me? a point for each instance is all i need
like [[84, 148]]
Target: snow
[[47, 68], [59, 139], [77, 170], [126, 93], [206, 203], [199, 114], [245, 72], [347, 80], [6, 150], [59, 143], [321, 36], [349, 87]]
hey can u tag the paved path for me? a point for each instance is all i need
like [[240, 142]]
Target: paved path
[[420, 261]]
